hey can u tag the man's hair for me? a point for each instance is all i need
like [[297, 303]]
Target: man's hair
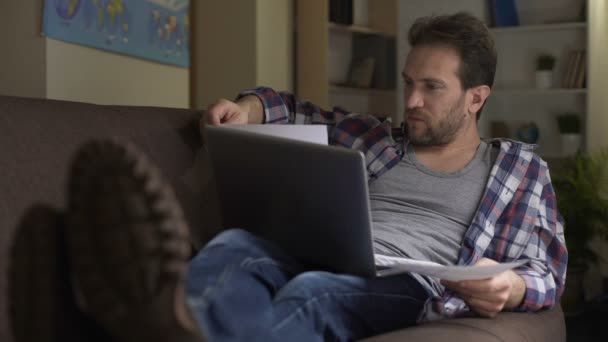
[[469, 36]]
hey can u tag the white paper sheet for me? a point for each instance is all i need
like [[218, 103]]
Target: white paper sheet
[[454, 273], [310, 133]]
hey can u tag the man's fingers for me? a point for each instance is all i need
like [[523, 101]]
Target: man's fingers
[[217, 111], [496, 298], [494, 284], [483, 307], [212, 119]]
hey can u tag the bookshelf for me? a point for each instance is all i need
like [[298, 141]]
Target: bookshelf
[[516, 101], [328, 52]]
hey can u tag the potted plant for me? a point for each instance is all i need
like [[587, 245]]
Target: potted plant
[[570, 128], [544, 71], [581, 186]]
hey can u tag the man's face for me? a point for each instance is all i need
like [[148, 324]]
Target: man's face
[[434, 99]]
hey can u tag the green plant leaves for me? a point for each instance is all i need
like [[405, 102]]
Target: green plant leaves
[[581, 188]]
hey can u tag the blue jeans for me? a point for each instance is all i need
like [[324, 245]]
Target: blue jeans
[[243, 288]]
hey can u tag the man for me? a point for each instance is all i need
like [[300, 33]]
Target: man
[[441, 194]]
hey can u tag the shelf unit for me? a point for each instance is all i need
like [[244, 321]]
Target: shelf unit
[[542, 27], [340, 88], [515, 100], [514, 97], [535, 91], [358, 29], [325, 51]]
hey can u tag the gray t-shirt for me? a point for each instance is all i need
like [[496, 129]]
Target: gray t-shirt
[[423, 214]]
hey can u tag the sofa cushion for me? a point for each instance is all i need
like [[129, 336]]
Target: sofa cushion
[[506, 327]]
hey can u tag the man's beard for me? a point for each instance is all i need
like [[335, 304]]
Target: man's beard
[[441, 135]]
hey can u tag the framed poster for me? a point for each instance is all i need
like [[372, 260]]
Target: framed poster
[[157, 30]]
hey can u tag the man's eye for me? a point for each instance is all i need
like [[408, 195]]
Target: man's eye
[[432, 86], [407, 83]]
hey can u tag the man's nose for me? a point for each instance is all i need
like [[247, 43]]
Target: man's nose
[[413, 98]]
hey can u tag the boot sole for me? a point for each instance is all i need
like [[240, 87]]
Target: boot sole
[[128, 242]]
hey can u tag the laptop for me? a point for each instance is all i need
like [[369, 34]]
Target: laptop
[[310, 199]]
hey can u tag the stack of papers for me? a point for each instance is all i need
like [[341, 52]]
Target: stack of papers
[[309, 133], [395, 265]]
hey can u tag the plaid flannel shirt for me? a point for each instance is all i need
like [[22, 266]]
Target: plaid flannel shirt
[[517, 217]]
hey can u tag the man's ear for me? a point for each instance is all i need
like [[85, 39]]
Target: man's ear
[[478, 96]]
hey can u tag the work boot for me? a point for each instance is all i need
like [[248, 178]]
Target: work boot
[[128, 244]]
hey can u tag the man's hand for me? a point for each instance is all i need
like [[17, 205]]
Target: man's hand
[[247, 110], [489, 296]]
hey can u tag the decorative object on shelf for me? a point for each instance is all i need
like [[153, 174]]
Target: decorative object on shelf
[[528, 133], [381, 49], [581, 186], [360, 10], [569, 125], [362, 73], [503, 13], [544, 71]]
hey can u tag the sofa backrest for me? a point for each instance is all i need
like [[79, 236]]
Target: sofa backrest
[[39, 137]]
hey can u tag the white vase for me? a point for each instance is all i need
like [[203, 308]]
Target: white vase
[[571, 143], [544, 79]]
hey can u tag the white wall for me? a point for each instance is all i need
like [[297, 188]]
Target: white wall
[[79, 73]]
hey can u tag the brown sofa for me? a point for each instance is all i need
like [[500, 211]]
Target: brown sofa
[[38, 137]]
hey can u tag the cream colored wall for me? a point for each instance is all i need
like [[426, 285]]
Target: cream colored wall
[[23, 52], [79, 73], [597, 82], [239, 45], [274, 36], [224, 51], [597, 121]]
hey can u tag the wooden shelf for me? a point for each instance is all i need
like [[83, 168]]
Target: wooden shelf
[[357, 29], [534, 91], [337, 88], [539, 28]]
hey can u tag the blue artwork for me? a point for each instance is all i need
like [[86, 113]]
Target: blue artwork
[[158, 30]]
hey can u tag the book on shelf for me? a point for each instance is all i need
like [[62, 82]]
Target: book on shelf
[[341, 12], [503, 13], [576, 70], [581, 71], [569, 69]]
